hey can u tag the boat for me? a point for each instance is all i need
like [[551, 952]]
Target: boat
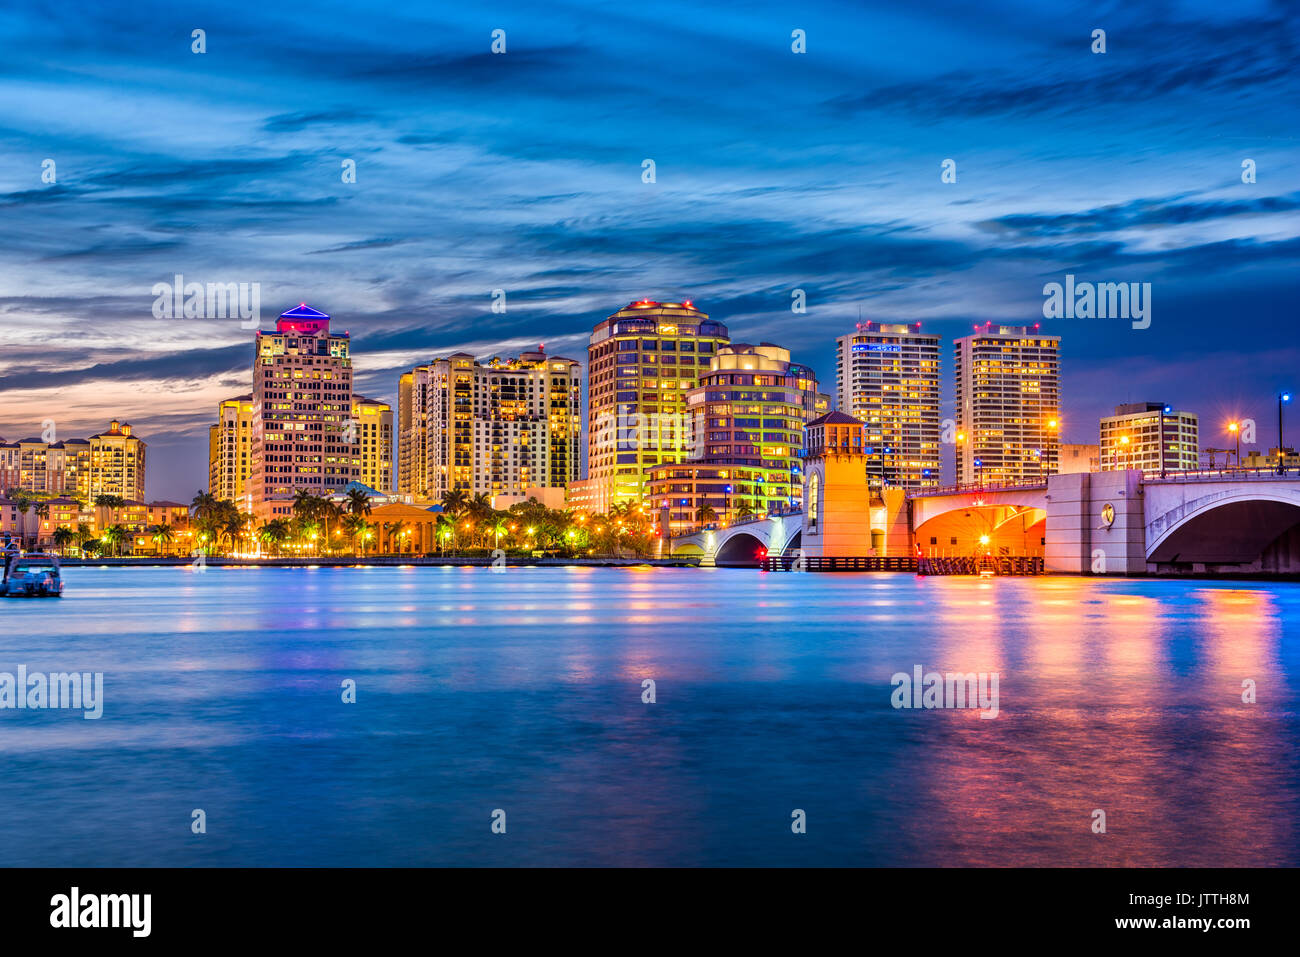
[[35, 575]]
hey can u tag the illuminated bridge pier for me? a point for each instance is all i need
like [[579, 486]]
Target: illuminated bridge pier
[[1091, 523]]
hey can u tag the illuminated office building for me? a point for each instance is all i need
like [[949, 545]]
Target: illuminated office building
[[230, 450], [887, 375], [302, 408], [642, 362], [496, 428], [1008, 403], [746, 421], [1130, 439]]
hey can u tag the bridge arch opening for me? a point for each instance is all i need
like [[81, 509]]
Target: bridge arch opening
[[687, 550], [741, 549], [998, 530], [1244, 535], [794, 545]]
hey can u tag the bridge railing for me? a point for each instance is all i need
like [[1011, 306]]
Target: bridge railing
[[747, 520], [1231, 473], [976, 487]]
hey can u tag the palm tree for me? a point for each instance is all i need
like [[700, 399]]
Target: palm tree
[[91, 546], [161, 535], [204, 505], [63, 537], [744, 510], [454, 502], [84, 534], [113, 537], [273, 533], [109, 501], [358, 502], [706, 513], [394, 530], [354, 525]]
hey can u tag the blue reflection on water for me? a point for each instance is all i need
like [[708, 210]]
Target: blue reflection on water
[[522, 691]]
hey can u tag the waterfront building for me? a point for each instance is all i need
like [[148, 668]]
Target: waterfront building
[[302, 437], [887, 375], [746, 425], [1079, 458], [230, 450], [1008, 404], [374, 437], [495, 428], [110, 463], [1133, 438], [37, 525], [641, 363]]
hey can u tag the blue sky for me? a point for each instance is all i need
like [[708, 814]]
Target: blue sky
[[522, 171]]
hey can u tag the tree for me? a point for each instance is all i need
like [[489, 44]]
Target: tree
[[706, 513], [114, 536], [162, 535], [272, 534], [63, 537], [358, 502], [454, 502], [109, 501], [744, 510]]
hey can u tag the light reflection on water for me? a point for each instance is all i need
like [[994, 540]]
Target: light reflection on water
[[522, 691]]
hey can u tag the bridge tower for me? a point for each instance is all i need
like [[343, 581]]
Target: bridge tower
[[836, 499]]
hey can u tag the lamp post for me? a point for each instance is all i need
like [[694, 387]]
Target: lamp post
[[1235, 429], [1164, 410], [979, 472], [1053, 440], [956, 458], [726, 506], [1282, 398]]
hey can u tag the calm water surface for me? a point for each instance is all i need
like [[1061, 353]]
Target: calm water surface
[[522, 691]]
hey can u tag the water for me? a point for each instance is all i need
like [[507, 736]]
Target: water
[[522, 691]]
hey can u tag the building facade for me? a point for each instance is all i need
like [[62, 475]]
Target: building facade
[[495, 428], [230, 451], [1079, 458], [374, 436], [302, 437], [641, 363], [1150, 436], [888, 376], [1008, 404], [746, 427], [110, 463]]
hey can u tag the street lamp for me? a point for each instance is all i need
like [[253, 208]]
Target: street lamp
[[1123, 441], [1235, 429], [1282, 398], [979, 472], [1165, 410], [956, 458]]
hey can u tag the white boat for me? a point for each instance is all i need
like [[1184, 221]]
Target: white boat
[[32, 576]]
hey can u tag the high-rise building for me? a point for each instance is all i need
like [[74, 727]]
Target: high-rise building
[[302, 436], [887, 375], [374, 433], [1131, 438], [1008, 403], [54, 468], [642, 361], [499, 427], [116, 465], [747, 420], [230, 450]]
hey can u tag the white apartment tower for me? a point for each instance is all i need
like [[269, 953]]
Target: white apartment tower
[[499, 427], [887, 375], [1008, 404]]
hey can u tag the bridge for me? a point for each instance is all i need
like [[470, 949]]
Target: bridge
[[1115, 522], [744, 542]]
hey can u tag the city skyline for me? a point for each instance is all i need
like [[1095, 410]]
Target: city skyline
[[523, 172]]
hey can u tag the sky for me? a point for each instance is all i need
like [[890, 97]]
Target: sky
[[523, 171]]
